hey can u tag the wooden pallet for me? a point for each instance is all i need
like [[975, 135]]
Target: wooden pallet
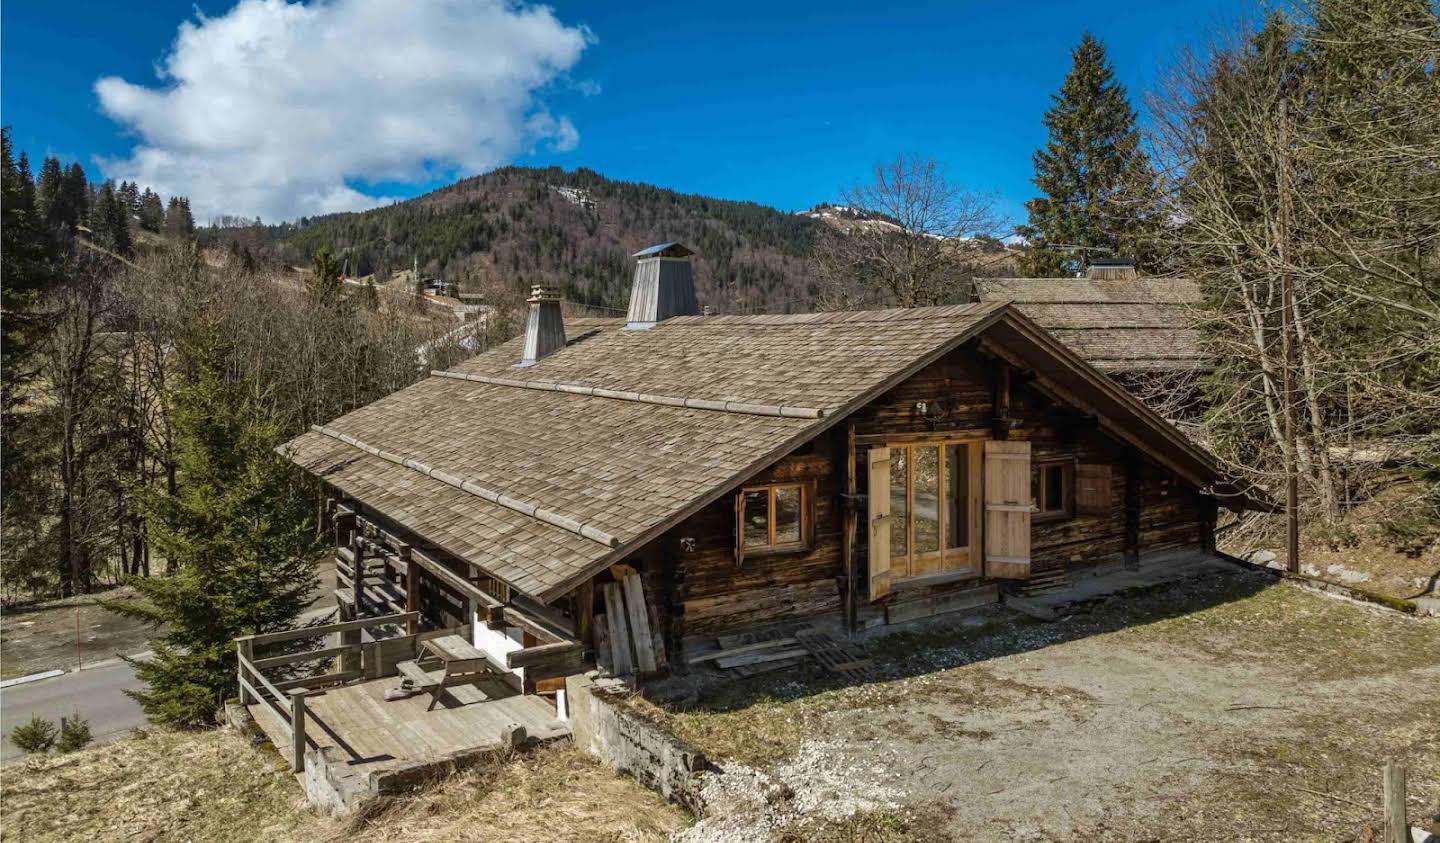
[[835, 655]]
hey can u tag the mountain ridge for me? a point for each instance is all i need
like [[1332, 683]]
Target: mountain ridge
[[502, 232]]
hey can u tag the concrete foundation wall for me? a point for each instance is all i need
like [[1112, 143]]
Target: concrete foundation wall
[[602, 726]]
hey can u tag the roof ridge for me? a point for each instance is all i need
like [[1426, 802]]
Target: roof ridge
[[724, 406], [889, 314], [554, 519]]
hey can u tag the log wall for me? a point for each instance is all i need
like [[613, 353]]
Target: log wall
[[703, 592]]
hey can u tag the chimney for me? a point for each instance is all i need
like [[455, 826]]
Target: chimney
[[1112, 269], [545, 330], [664, 286]]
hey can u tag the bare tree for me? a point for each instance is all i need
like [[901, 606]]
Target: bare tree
[[1306, 151], [902, 239]]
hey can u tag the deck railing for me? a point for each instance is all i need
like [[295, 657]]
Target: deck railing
[[286, 698]]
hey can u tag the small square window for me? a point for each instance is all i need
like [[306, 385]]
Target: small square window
[[1051, 490], [774, 518]]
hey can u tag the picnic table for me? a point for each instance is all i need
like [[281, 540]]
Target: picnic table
[[460, 664]]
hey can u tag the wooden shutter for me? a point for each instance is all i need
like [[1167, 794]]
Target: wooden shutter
[[878, 496], [1092, 489], [1007, 509]]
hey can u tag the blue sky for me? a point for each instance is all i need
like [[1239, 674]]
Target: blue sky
[[779, 103]]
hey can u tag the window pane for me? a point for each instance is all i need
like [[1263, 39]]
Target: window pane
[[957, 496], [787, 514], [1054, 488], [898, 482], [757, 518], [927, 498]]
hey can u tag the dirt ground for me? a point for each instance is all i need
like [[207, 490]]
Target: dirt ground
[[1227, 708], [212, 787], [43, 636]]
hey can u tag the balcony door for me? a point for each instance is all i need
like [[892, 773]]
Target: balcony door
[[934, 514]]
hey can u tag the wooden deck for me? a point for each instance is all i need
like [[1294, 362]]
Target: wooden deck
[[377, 734]]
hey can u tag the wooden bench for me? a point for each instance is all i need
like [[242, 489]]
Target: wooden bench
[[460, 664]]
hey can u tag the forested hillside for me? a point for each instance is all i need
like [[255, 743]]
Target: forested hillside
[[515, 227]]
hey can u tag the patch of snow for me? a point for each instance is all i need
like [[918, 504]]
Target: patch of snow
[[575, 196]]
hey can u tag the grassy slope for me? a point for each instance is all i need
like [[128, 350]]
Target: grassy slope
[[212, 786]]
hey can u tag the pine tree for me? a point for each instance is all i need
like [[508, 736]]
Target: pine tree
[[109, 221], [48, 186], [151, 211], [178, 220], [1092, 155], [237, 537], [28, 262], [325, 280]]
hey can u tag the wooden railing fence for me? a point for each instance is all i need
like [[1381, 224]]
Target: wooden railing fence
[[286, 698]]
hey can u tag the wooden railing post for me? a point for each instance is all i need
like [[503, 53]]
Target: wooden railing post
[[245, 652], [412, 587], [297, 729], [357, 579], [1397, 827]]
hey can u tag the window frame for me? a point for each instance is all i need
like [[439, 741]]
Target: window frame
[[1038, 481], [945, 561], [771, 547]]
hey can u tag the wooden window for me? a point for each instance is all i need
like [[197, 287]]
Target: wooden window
[[1052, 490], [774, 518], [930, 490]]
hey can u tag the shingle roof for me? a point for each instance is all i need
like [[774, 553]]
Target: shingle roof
[[1131, 325], [621, 467], [537, 478]]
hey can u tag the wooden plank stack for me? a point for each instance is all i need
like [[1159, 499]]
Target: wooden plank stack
[[750, 653], [625, 642]]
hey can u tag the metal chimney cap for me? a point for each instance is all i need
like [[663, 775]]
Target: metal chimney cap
[[665, 250]]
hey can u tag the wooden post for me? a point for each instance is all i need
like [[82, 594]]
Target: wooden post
[[245, 648], [1001, 415], [1133, 467], [357, 572], [297, 726], [1397, 828], [850, 506], [585, 612], [1287, 353], [412, 587]]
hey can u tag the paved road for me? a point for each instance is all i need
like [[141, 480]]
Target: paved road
[[96, 693]]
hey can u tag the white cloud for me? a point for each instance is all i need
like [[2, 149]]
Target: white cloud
[[273, 107]]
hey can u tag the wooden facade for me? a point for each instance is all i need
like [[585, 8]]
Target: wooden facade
[[1120, 503], [639, 492]]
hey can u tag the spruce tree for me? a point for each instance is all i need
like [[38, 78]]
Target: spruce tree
[[48, 186], [325, 280], [237, 537], [109, 221], [1092, 155], [178, 220], [152, 211]]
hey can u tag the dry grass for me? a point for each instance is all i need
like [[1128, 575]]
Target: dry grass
[[212, 786], [552, 794], [200, 786]]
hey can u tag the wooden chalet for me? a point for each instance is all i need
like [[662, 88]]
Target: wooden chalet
[[1139, 331], [635, 489]]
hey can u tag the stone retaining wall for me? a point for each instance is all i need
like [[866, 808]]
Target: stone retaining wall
[[605, 728]]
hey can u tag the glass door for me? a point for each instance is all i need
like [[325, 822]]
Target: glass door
[[933, 489]]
